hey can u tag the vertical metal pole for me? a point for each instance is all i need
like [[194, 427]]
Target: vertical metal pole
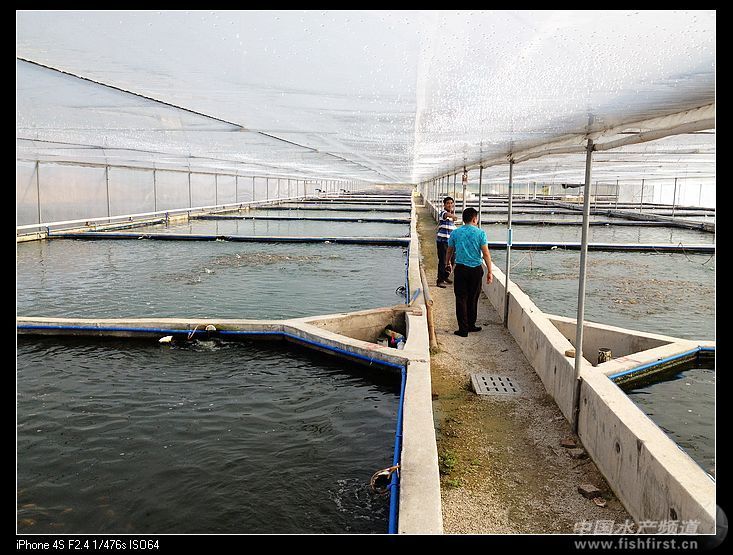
[[253, 188], [535, 190], [595, 197], [508, 246], [674, 196], [236, 188], [699, 197], [190, 198], [465, 184], [288, 188], [155, 193], [106, 179], [480, 178], [454, 186], [641, 200], [216, 189], [579, 320], [38, 191], [617, 193], [267, 188]]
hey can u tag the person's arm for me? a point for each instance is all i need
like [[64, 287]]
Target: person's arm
[[445, 215], [487, 258], [448, 258]]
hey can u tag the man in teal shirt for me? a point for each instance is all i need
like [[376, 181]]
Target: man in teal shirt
[[470, 246]]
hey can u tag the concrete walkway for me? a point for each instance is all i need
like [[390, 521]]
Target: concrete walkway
[[503, 469]]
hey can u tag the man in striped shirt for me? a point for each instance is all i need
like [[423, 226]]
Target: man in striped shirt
[[446, 225]]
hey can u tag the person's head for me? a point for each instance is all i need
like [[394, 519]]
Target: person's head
[[448, 204], [470, 215]]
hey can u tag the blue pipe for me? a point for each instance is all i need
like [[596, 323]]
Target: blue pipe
[[222, 332], [407, 274], [660, 362], [394, 485], [95, 328]]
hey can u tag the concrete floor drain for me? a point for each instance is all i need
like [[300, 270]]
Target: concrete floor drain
[[489, 384]]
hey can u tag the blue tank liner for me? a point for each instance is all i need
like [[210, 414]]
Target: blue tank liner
[[661, 361], [388, 241], [532, 245], [407, 275], [394, 484]]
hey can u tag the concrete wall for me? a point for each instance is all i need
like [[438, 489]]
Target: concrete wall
[[420, 503], [365, 325], [596, 336], [649, 473]]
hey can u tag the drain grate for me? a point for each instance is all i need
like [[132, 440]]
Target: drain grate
[[489, 384]]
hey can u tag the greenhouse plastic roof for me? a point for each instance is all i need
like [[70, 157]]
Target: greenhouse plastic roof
[[381, 96]]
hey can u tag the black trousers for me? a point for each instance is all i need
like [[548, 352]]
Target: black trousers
[[442, 251], [467, 288]]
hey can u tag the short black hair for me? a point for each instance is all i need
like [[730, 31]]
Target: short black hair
[[446, 199], [469, 214]]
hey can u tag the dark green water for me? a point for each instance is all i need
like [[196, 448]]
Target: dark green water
[[683, 406], [141, 278], [135, 437], [667, 293]]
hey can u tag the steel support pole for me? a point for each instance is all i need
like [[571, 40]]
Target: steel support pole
[[190, 198], [155, 193], [674, 196], [465, 183], [236, 188], [579, 320], [216, 190], [106, 180], [641, 200], [480, 178], [508, 247], [455, 175], [617, 194], [38, 191], [699, 196]]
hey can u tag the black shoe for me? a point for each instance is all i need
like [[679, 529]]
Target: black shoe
[[441, 284], [461, 333], [475, 328], [448, 281]]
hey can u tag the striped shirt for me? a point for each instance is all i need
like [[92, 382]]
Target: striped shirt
[[445, 227]]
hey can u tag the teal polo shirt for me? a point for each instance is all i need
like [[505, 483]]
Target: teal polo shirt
[[467, 241]]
